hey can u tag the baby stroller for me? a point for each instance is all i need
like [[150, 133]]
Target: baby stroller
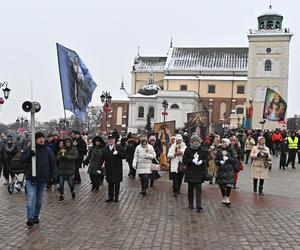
[[16, 168]]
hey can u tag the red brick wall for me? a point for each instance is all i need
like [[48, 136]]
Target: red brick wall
[[112, 117]]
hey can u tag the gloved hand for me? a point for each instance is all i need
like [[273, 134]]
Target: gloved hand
[[199, 162], [115, 152], [259, 154], [32, 153], [195, 161], [222, 162], [225, 158]]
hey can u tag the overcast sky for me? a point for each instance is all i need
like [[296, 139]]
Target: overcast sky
[[106, 34]]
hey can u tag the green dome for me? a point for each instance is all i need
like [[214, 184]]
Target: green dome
[[270, 20]]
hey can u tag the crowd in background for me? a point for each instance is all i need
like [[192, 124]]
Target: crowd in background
[[216, 158]]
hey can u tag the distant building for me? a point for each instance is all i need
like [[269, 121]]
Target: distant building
[[229, 77], [117, 117], [293, 123], [179, 104]]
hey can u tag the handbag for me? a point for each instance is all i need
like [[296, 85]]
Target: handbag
[[155, 166], [268, 164], [181, 167]]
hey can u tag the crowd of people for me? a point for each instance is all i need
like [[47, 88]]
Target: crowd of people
[[216, 158]]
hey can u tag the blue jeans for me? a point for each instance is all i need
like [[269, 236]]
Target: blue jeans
[[62, 183], [35, 194]]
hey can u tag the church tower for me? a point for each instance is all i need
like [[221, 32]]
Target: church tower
[[268, 63]]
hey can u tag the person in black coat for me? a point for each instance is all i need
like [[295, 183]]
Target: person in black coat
[[112, 155], [196, 160], [227, 165], [93, 160], [80, 144], [131, 144], [283, 151]]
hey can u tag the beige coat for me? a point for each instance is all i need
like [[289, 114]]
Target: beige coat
[[249, 144], [258, 170], [176, 159]]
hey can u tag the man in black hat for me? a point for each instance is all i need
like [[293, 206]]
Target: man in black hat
[[113, 155], [45, 171]]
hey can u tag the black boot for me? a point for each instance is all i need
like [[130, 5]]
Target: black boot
[[255, 185], [260, 190]]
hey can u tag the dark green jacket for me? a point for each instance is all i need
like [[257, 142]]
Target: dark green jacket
[[66, 162]]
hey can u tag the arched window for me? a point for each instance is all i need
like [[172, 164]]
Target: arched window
[[262, 25], [119, 115], [277, 25], [222, 109], [141, 112], [270, 24], [268, 65], [174, 106], [151, 112]]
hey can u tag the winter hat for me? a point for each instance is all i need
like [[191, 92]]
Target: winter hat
[[226, 141], [39, 135], [179, 137], [259, 138], [195, 137], [152, 138]]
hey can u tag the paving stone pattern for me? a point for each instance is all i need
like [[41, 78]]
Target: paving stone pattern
[[159, 221]]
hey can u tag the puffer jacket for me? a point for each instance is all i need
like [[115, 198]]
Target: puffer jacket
[[66, 162], [94, 158], [45, 164], [143, 157], [225, 172]]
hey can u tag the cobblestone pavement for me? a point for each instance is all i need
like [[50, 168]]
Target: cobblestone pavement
[[159, 221]]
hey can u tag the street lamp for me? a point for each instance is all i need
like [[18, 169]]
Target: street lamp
[[210, 109], [106, 100], [165, 105], [6, 90], [22, 121]]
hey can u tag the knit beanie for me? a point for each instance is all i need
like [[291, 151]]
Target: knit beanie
[[226, 141], [195, 137], [39, 134], [259, 138], [152, 138], [179, 137]]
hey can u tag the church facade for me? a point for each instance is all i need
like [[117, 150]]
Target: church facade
[[225, 79]]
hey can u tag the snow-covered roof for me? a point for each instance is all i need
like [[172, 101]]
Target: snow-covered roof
[[203, 77], [195, 59], [149, 64], [270, 12], [168, 93], [221, 59]]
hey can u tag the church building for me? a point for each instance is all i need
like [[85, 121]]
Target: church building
[[224, 78]]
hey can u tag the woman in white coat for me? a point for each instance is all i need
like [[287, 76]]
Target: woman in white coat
[[175, 155], [260, 170], [143, 156]]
